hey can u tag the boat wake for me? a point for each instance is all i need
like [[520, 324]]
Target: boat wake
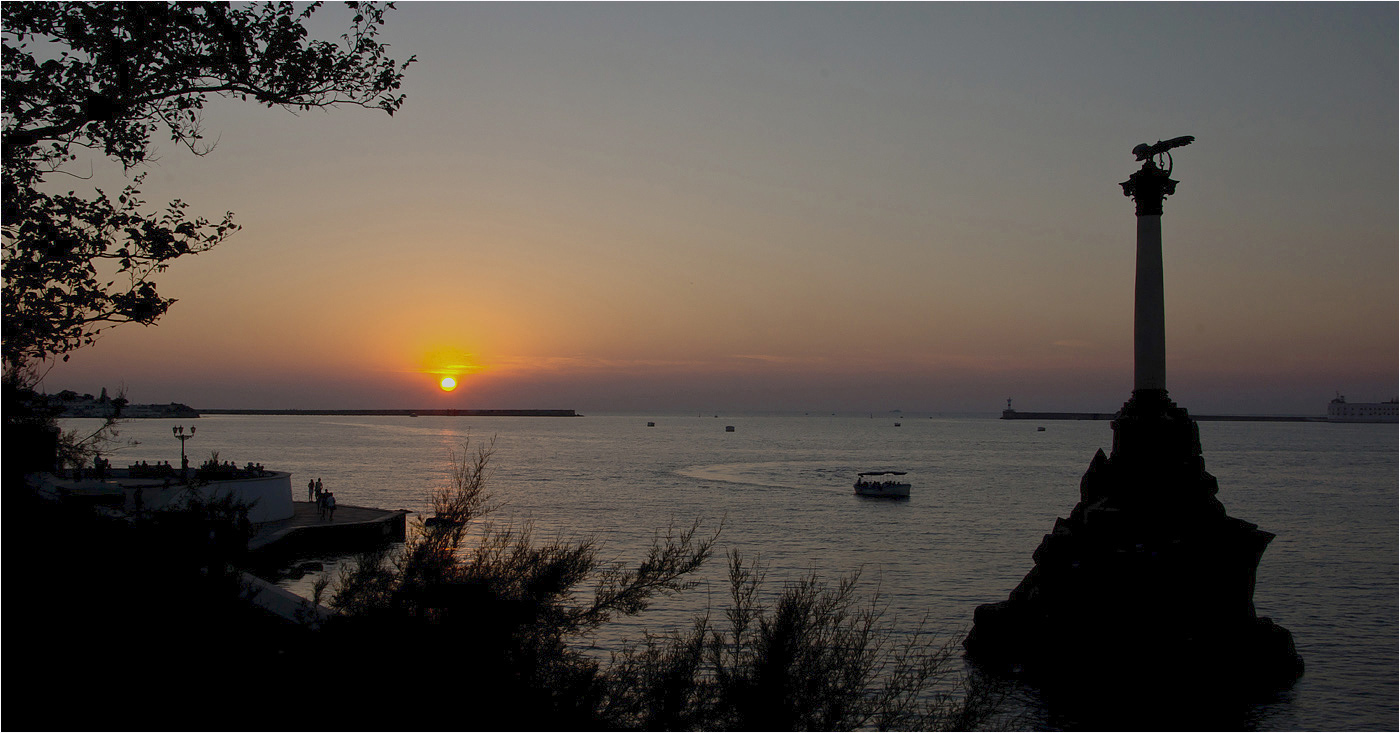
[[803, 475]]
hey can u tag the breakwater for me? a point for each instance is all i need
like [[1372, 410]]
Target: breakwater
[[403, 413], [1014, 415]]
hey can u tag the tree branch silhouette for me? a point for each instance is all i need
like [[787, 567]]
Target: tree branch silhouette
[[106, 77]]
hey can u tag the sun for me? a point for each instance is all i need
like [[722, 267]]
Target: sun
[[448, 384]]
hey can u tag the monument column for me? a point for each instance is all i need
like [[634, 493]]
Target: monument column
[[1144, 595], [1148, 188]]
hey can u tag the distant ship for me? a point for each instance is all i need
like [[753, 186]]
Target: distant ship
[[1339, 410]]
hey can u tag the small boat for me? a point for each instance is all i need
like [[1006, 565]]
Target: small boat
[[882, 483], [728, 428], [651, 424]]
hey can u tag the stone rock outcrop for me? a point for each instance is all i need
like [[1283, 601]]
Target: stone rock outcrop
[[1147, 583]]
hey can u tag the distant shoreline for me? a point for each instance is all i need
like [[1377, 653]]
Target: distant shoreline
[[403, 413]]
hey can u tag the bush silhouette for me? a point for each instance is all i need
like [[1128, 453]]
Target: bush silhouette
[[484, 617]]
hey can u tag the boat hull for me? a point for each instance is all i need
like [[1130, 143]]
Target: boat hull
[[1342, 411]]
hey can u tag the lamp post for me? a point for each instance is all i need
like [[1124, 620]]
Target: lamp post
[[179, 432]]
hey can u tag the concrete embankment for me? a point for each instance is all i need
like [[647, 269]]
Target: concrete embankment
[[349, 528], [401, 413], [281, 602], [1014, 415]]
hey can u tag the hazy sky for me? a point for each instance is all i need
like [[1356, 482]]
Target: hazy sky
[[797, 206]]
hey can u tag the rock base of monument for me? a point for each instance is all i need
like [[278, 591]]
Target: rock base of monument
[[1148, 584]]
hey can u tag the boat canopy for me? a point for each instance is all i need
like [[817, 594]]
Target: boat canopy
[[882, 473]]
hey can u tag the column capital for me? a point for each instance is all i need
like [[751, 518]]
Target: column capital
[[1148, 188]]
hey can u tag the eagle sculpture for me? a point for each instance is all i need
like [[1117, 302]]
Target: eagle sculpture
[[1144, 151]]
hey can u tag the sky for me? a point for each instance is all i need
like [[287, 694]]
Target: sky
[[795, 207]]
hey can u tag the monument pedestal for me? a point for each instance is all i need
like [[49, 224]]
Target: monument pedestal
[[1148, 582]]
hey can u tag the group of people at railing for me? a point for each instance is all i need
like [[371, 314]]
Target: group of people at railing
[[100, 468], [151, 470], [210, 469], [862, 483], [215, 470]]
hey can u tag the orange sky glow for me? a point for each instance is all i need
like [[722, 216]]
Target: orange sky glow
[[797, 207]]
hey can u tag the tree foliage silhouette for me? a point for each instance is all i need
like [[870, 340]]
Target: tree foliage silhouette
[[103, 79], [483, 617], [486, 616]]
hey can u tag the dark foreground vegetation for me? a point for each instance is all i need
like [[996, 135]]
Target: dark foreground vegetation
[[119, 622], [503, 617], [116, 625], [468, 625]]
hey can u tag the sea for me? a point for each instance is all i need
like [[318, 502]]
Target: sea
[[777, 488]]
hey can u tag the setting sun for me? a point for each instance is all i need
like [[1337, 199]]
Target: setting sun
[[448, 384]]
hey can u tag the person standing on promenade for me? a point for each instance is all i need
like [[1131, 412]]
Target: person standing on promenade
[[310, 489], [330, 505]]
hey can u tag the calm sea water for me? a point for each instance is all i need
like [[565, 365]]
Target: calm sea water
[[985, 491]]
